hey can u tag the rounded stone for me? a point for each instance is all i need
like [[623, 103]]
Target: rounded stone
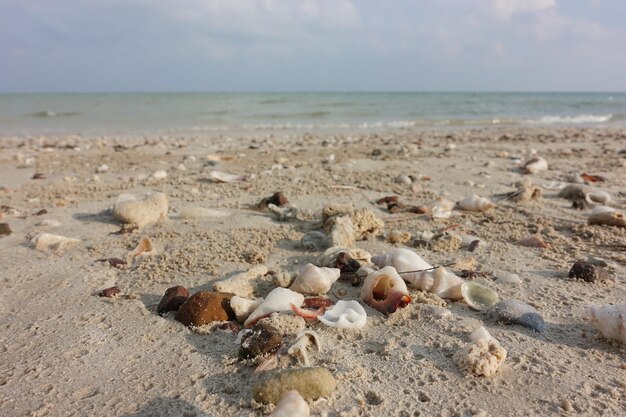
[[263, 339], [172, 300], [588, 272], [311, 384], [205, 307]]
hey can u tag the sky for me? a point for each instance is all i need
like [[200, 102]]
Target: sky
[[307, 45]]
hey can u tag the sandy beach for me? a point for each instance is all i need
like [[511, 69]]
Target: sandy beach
[[65, 351]]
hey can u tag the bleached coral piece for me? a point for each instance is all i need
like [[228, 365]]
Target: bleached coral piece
[[610, 320], [483, 356]]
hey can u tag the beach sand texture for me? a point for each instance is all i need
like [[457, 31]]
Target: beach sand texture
[[65, 351]]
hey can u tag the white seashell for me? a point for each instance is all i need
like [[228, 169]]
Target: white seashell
[[475, 203], [160, 174], [313, 280], [242, 284], [305, 338], [345, 315], [404, 260], [243, 307], [482, 357], [441, 209], [478, 297], [48, 241], [534, 165], [200, 213], [446, 284], [144, 248], [601, 210], [219, 176], [610, 320], [385, 290], [279, 299], [291, 405], [149, 209], [599, 197], [606, 216]]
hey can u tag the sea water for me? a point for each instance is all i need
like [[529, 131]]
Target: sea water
[[231, 113]]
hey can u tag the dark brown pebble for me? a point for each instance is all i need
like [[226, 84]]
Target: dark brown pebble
[[172, 300], [588, 272], [126, 230], [5, 230], [110, 292], [278, 199], [230, 326], [318, 302], [41, 212], [205, 307], [38, 176], [388, 199], [114, 262], [263, 339]]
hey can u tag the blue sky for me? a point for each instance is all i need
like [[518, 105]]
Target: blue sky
[[306, 45]]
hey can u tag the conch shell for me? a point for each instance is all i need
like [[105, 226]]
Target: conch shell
[[291, 405], [345, 315], [314, 280], [475, 203], [48, 241], [607, 216], [385, 290], [405, 260], [534, 165], [279, 299], [483, 356], [610, 320]]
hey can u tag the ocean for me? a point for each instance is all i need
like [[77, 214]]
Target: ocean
[[185, 114]]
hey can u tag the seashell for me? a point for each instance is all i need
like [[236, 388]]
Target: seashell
[[385, 290], [200, 213], [262, 340], [242, 284], [532, 241], [315, 241], [603, 215], [478, 297], [311, 384], [329, 257], [149, 209], [342, 232], [243, 307], [610, 320], [599, 197], [314, 280], [405, 260], [403, 179], [173, 298], [205, 307], [303, 340], [291, 404], [214, 158], [516, 312], [534, 165], [144, 248], [441, 209], [475, 203], [553, 185], [283, 214], [57, 243], [345, 315], [483, 356], [225, 177], [279, 299], [446, 284], [160, 174]]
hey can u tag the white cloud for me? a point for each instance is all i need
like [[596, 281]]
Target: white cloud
[[506, 9]]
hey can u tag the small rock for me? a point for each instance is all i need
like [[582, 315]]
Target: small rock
[[205, 307], [445, 243], [159, 175], [588, 272], [516, 312], [286, 324], [402, 179], [342, 232], [172, 300], [566, 405], [263, 339], [278, 199], [110, 292], [102, 169], [5, 230], [38, 176], [141, 211], [509, 278], [315, 241], [311, 384]]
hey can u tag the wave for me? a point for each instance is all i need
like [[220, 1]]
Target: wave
[[578, 119], [49, 113]]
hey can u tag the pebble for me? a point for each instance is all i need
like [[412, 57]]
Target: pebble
[[172, 300], [402, 179], [149, 209], [588, 272], [159, 175], [263, 339], [311, 384], [286, 324], [278, 199], [5, 230], [509, 278], [315, 241], [110, 292], [205, 307], [516, 312], [102, 169]]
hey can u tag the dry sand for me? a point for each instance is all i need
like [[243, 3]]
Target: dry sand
[[65, 351]]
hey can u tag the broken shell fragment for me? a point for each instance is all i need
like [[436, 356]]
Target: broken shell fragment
[[243, 307], [478, 297], [279, 299], [345, 315], [263, 339], [304, 339], [225, 177], [200, 213], [242, 284], [173, 298], [311, 384], [144, 248], [385, 290], [475, 204], [291, 404], [603, 215], [483, 356], [57, 243], [314, 280], [283, 214], [141, 211], [516, 312], [532, 241], [598, 197], [535, 165], [610, 320]]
